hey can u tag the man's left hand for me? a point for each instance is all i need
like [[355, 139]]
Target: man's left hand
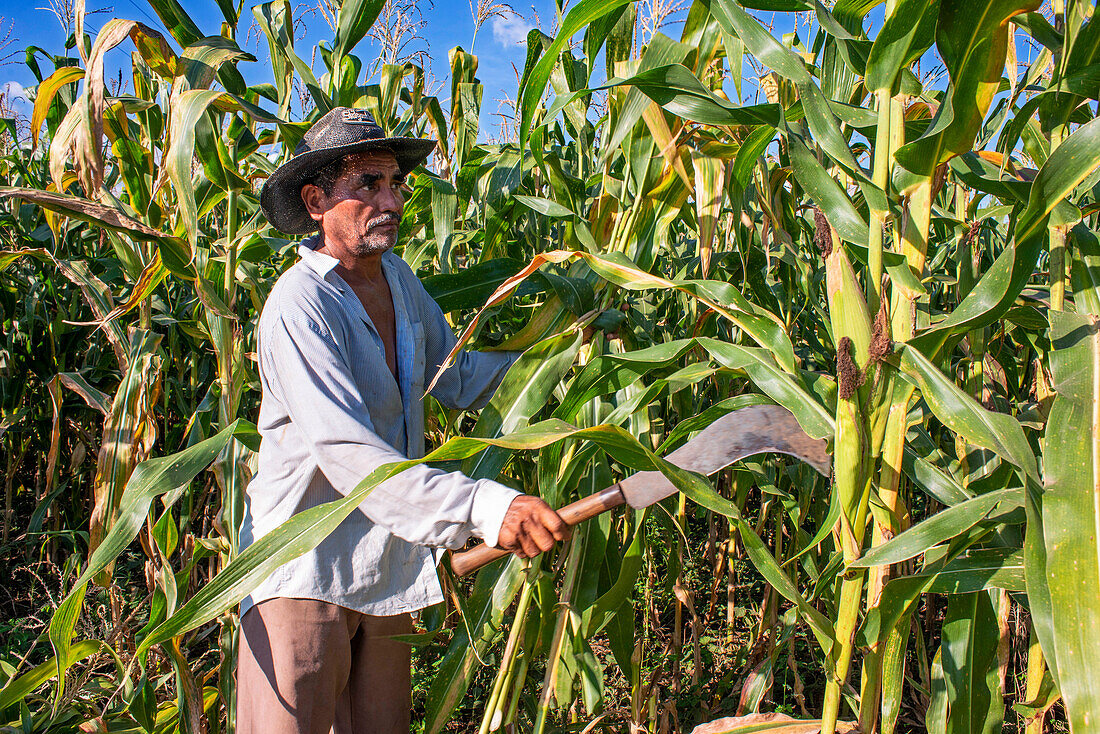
[[531, 527]]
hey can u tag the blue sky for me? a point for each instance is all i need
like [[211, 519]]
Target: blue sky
[[500, 42]]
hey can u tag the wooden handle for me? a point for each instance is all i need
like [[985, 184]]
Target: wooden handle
[[467, 562]]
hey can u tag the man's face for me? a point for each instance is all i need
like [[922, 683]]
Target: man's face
[[360, 215]]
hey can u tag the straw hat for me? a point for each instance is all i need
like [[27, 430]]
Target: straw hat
[[341, 131]]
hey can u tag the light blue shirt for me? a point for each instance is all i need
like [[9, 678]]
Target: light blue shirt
[[332, 412]]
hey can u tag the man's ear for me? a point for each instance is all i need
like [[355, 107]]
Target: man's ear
[[316, 201]]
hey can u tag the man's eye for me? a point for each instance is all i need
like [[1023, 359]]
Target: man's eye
[[374, 183]]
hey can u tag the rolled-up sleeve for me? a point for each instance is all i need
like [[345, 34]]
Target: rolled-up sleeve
[[303, 363]]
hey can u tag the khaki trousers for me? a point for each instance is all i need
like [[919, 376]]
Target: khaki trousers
[[309, 667]]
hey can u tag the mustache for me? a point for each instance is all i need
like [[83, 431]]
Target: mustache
[[394, 219]]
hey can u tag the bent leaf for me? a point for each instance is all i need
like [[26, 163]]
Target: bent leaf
[[47, 90]]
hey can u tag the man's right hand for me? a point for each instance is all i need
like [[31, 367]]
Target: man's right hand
[[531, 527]]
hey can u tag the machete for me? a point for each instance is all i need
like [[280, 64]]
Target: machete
[[753, 430]]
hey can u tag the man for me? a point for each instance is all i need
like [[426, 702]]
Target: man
[[347, 341]]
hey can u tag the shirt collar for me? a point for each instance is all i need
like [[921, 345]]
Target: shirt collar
[[318, 262], [323, 264]]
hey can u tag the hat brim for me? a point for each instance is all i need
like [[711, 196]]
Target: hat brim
[[281, 197]]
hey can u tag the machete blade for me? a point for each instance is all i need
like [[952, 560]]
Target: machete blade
[[753, 430]]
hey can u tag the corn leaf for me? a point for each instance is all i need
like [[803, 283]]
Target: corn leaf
[[680, 92], [1068, 166], [968, 653], [47, 90], [972, 38], [1071, 514], [19, 688], [524, 390], [533, 84], [149, 480], [906, 34], [943, 526], [996, 432]]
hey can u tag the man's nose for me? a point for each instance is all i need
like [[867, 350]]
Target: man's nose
[[390, 199]]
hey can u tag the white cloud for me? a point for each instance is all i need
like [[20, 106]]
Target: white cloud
[[510, 31], [13, 91]]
